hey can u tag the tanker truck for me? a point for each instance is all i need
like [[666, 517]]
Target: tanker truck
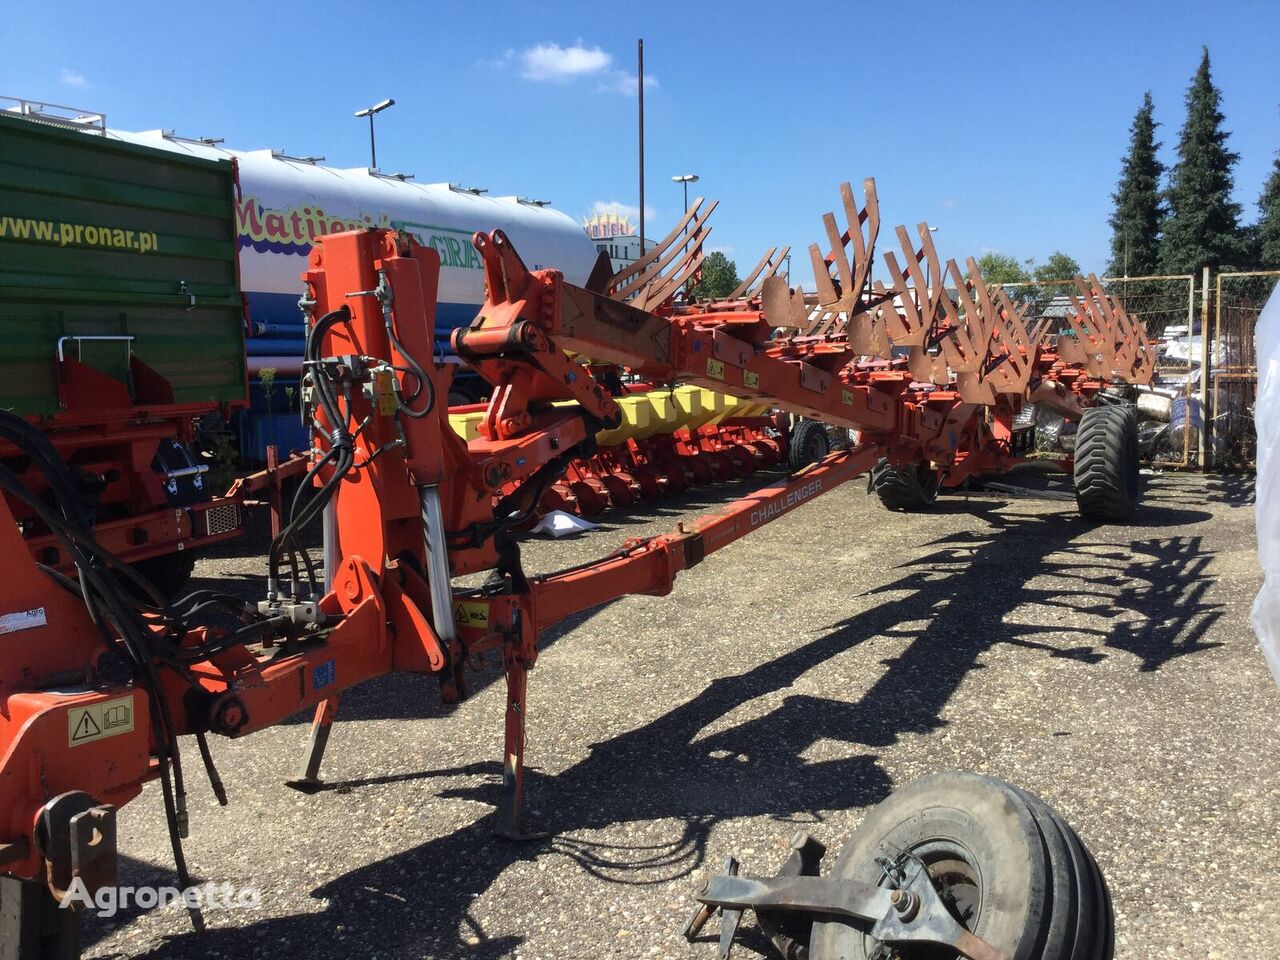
[[285, 202]]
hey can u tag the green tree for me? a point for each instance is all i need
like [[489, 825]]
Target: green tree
[[1000, 268], [719, 277], [1139, 207], [1202, 226], [1268, 231], [1058, 267]]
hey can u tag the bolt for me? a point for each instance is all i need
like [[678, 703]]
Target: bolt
[[905, 902]]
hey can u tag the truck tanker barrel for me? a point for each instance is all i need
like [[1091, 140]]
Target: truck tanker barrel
[[285, 202]]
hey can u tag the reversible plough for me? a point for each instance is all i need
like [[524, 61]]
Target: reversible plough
[[929, 365]]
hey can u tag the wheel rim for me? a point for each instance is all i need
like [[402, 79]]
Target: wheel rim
[[955, 876], [816, 448]]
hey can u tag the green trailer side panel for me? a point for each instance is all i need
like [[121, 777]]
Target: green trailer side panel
[[101, 238]]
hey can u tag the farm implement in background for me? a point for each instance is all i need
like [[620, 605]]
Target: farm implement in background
[[930, 376]]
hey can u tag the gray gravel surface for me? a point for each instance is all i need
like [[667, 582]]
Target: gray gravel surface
[[791, 680]]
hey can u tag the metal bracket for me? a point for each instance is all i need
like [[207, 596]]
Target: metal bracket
[[912, 913]]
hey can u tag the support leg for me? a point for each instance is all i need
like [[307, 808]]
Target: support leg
[[321, 724], [511, 812]]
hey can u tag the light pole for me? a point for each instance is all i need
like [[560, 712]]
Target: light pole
[[787, 258], [685, 179], [369, 112]]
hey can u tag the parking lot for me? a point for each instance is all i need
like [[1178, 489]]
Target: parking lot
[[791, 681]]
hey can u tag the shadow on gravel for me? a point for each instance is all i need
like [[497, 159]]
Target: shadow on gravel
[[965, 587]]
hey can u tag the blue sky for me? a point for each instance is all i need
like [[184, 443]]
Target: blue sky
[[1002, 123]]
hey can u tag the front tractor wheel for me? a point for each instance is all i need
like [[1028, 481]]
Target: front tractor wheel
[[1106, 464], [909, 489]]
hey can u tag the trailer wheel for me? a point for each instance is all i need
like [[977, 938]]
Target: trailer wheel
[[807, 444], [910, 488], [1008, 868], [1106, 464]]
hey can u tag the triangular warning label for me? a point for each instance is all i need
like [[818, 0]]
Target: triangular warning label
[[86, 728], [460, 614]]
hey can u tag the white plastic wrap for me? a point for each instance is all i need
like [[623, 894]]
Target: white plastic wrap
[[1266, 416]]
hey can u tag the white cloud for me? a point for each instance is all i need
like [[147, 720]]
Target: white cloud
[[727, 250], [619, 81], [73, 79], [986, 250], [550, 61], [949, 202]]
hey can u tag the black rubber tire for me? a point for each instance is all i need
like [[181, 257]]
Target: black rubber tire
[[808, 443], [169, 572], [1015, 873], [909, 489], [1106, 464]]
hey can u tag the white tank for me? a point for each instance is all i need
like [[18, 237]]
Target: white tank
[[286, 202]]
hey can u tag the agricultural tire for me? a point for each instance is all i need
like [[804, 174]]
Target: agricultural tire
[[909, 489], [1008, 868], [1106, 464], [808, 443]]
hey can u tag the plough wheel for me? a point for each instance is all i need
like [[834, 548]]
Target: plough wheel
[[1106, 463], [909, 488], [808, 443], [1007, 866]]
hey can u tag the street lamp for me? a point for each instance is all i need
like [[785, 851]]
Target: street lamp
[[685, 179], [369, 112]]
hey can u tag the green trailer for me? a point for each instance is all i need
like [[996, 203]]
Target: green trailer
[[121, 326]]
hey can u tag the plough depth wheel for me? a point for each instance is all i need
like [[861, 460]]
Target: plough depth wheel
[[1106, 463], [909, 488], [809, 443], [952, 865]]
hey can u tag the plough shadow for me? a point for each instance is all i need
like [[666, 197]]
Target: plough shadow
[[1150, 596]]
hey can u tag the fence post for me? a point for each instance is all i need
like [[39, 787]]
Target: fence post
[[1204, 369]]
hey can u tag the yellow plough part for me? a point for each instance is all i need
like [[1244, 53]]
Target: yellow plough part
[[645, 414]]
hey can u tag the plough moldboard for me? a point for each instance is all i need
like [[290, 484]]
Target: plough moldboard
[[929, 366]]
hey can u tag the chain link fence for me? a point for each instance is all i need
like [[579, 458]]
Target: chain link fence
[[1233, 367]]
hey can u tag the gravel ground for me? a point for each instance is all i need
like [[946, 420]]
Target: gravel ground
[[793, 679]]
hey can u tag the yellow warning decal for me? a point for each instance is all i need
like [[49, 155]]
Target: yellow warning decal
[[99, 720], [750, 379], [468, 613], [715, 368], [846, 397]]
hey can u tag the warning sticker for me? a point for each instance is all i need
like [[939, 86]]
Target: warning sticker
[[750, 379], [715, 368], [98, 721], [846, 397], [468, 613], [22, 620]]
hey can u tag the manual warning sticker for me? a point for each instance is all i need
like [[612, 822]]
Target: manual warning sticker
[[22, 620], [99, 720], [469, 613]]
